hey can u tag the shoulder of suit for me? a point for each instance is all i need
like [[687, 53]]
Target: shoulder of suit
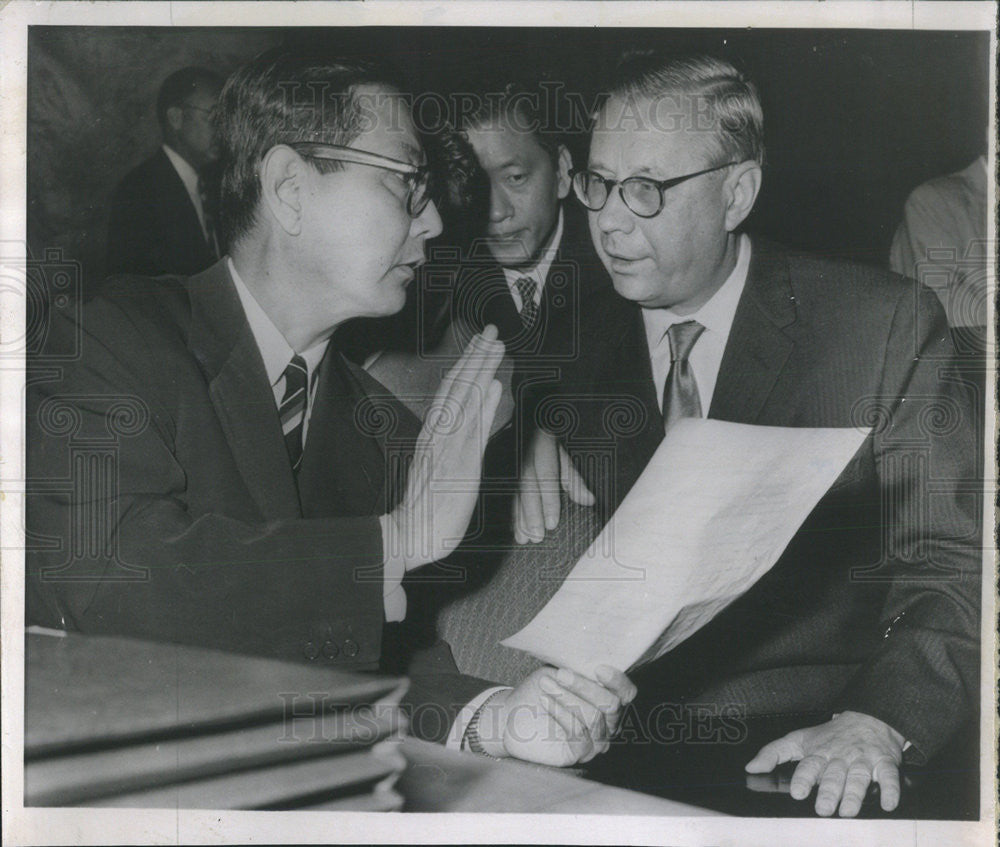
[[836, 289], [153, 306], [149, 171]]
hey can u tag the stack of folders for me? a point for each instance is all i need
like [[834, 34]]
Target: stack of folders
[[112, 721]]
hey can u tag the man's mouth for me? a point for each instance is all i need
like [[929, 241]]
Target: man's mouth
[[506, 236]]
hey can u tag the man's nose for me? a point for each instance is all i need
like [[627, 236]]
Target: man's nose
[[428, 223], [500, 205], [615, 215]]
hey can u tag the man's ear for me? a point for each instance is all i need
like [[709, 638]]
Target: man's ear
[[175, 118], [564, 164], [282, 183], [742, 187]]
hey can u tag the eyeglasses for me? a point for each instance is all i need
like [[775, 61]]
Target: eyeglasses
[[642, 196], [209, 112], [417, 177]]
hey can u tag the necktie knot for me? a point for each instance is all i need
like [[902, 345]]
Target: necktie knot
[[682, 337], [526, 288]]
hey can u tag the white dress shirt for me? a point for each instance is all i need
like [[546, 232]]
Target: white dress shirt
[[277, 353], [539, 271], [189, 176], [717, 318]]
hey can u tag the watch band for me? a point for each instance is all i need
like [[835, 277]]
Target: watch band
[[471, 740]]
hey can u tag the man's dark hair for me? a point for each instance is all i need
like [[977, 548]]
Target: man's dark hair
[[281, 98], [525, 106], [180, 85]]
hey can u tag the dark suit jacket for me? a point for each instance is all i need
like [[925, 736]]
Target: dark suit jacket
[[154, 228], [874, 605], [164, 505]]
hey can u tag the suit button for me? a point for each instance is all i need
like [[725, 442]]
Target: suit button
[[330, 650], [350, 648], [310, 651]]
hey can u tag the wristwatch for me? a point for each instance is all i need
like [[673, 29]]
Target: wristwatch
[[471, 740]]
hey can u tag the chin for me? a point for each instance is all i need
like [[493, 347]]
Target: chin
[[633, 288], [511, 256]]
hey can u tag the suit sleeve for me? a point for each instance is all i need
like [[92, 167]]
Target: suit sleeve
[[923, 677], [114, 547]]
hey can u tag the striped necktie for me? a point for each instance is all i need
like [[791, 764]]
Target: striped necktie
[[526, 287], [292, 410], [680, 391]]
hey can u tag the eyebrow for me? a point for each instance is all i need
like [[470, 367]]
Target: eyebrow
[[644, 171]]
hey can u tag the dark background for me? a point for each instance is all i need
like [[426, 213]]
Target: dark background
[[854, 119]]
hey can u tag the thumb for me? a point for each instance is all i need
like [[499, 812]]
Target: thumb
[[771, 755]]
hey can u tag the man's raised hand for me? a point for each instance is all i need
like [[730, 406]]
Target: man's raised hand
[[443, 481]]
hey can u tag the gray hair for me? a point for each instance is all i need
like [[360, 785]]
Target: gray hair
[[727, 100]]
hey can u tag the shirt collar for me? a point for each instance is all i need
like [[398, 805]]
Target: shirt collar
[[188, 175], [274, 349], [716, 315], [540, 270]]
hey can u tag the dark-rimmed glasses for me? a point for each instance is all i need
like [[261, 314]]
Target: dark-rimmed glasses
[[417, 177], [642, 196]]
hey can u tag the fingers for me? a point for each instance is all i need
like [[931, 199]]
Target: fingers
[[477, 364], [859, 777], [771, 755], [529, 522], [572, 483], [545, 462], [886, 774], [832, 777], [616, 682], [583, 723]]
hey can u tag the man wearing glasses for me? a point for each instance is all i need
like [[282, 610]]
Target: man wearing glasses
[[163, 213], [269, 496], [868, 624]]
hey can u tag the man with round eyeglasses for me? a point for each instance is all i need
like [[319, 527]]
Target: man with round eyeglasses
[[868, 625], [270, 497]]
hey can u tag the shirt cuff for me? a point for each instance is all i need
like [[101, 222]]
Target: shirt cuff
[[393, 593], [457, 732]]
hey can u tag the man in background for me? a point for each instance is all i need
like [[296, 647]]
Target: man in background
[[163, 213], [941, 242]]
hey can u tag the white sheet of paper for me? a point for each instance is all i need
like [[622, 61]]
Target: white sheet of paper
[[709, 516]]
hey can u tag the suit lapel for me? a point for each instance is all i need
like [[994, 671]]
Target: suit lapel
[[757, 348], [343, 466], [628, 360], [224, 345]]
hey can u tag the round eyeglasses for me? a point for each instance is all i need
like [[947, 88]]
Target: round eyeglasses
[[417, 177], [642, 196]]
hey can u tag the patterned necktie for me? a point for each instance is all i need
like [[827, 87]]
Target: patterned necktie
[[526, 287], [292, 411], [208, 215], [680, 391]]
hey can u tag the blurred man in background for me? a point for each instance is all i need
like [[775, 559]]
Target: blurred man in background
[[163, 213]]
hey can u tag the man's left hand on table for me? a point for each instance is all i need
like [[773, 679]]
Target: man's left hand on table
[[842, 757]]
